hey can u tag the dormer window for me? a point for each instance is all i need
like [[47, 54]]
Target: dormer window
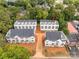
[[32, 40], [42, 27], [56, 27], [22, 27], [49, 27], [22, 41], [45, 27], [15, 27], [19, 27], [52, 27], [17, 40], [26, 41], [9, 41], [13, 41], [52, 43]]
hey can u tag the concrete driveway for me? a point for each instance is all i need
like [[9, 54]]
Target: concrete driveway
[[39, 45]]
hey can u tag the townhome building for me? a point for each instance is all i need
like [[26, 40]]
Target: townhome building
[[20, 36], [55, 39], [49, 25], [25, 24]]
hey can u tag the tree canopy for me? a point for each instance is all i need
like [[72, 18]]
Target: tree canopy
[[14, 52]]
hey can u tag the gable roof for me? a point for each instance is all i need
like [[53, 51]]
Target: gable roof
[[21, 33], [53, 36], [73, 37], [71, 28]]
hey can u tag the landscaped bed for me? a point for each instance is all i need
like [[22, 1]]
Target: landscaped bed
[[30, 47], [55, 52]]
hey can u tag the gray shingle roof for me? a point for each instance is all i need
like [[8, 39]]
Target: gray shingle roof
[[53, 36], [72, 37], [47, 20], [21, 32]]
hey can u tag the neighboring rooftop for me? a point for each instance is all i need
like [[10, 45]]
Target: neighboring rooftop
[[71, 28], [72, 37], [21, 33]]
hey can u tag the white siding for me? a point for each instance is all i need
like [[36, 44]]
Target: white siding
[[57, 43], [25, 25], [49, 26], [25, 40]]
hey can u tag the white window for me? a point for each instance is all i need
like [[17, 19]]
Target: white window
[[57, 42], [45, 27], [49, 27], [15, 27], [26, 27], [19, 27], [8, 40], [22, 41], [56, 27], [33, 27], [26, 41], [22, 27], [17, 40], [32, 40], [29, 27], [46, 44], [52, 43], [13, 41], [52, 27], [42, 27]]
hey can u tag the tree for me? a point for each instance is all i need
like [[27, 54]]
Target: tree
[[53, 13], [50, 2], [23, 15], [34, 2], [23, 3], [41, 13], [40, 2], [68, 1], [14, 52], [63, 24], [69, 12], [2, 40], [77, 5], [59, 6], [5, 21], [32, 12], [2, 2]]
